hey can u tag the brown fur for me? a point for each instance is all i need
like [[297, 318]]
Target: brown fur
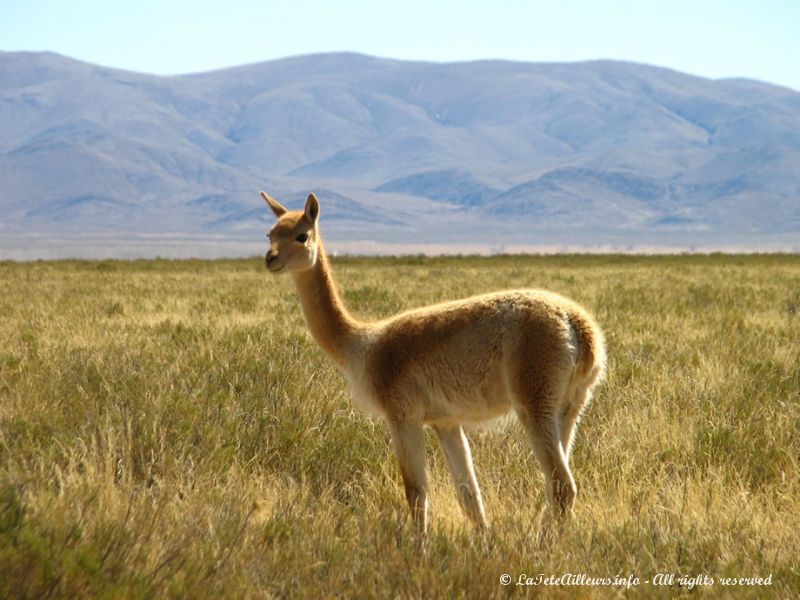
[[451, 364]]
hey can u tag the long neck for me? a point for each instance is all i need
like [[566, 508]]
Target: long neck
[[331, 325]]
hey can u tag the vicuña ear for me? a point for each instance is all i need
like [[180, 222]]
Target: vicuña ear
[[278, 208], [312, 209]]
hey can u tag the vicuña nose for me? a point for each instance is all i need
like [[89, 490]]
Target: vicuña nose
[[271, 256]]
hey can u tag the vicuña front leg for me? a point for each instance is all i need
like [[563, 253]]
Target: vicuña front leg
[[459, 462], [409, 445]]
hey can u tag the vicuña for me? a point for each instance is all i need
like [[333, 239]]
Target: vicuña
[[450, 365]]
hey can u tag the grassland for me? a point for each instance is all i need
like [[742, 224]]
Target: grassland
[[169, 429]]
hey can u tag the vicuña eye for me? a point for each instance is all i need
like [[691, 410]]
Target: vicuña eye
[[302, 238]]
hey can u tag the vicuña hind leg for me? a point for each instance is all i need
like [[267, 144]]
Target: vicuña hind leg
[[543, 433], [409, 446], [459, 462], [540, 401], [571, 412]]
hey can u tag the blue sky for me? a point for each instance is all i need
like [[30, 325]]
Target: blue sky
[[757, 38]]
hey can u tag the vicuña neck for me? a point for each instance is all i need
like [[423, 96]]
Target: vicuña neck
[[331, 325]]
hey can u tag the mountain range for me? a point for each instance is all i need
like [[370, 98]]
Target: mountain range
[[403, 155]]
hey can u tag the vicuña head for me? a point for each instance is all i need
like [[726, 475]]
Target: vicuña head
[[452, 364], [294, 239]]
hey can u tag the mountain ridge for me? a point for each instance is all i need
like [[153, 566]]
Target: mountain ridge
[[592, 150]]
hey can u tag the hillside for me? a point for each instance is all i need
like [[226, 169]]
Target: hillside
[[490, 152]]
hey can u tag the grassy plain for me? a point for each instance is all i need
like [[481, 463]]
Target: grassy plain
[[169, 429]]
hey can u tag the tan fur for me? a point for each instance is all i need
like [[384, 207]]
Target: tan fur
[[452, 364]]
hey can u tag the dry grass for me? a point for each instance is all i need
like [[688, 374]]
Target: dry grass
[[169, 429]]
